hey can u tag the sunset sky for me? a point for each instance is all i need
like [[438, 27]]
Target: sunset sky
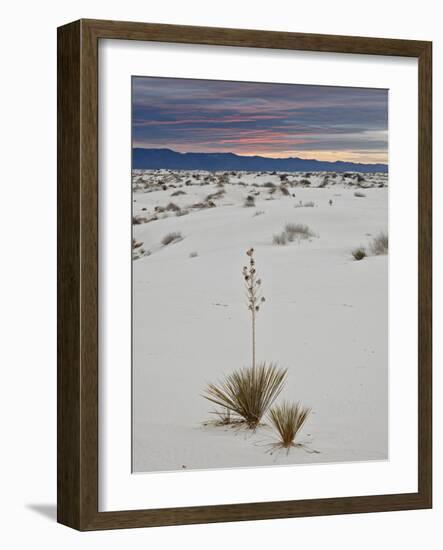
[[271, 120]]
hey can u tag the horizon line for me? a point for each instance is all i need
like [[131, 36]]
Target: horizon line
[[255, 156]]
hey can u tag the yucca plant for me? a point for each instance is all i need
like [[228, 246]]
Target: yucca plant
[[248, 392], [287, 420]]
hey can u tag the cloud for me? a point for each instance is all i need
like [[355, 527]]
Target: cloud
[[244, 117]]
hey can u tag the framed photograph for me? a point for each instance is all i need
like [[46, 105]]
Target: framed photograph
[[244, 275]]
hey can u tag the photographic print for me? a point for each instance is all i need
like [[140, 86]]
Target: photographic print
[[259, 274]]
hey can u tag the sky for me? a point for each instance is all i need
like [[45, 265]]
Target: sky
[[270, 120]]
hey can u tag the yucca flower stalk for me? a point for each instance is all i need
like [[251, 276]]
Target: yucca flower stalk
[[253, 295]]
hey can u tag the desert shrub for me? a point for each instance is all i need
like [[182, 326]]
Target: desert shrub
[[304, 181], [269, 184], [205, 204], [280, 239], [179, 192], [298, 230], [308, 204], [359, 253], [216, 195], [360, 178], [379, 244], [249, 201], [248, 392], [171, 237], [359, 194], [182, 212], [172, 207], [287, 420], [284, 191], [193, 254]]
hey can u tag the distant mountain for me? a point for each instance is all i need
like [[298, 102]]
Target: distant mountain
[[168, 159]]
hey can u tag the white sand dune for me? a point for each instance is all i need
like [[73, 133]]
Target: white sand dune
[[325, 318]]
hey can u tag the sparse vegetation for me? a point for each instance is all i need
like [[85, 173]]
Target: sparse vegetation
[[172, 207], [380, 244], [182, 212], [298, 230], [258, 213], [171, 238], [284, 191], [217, 195], [291, 232], [178, 192], [359, 253], [287, 420], [359, 194], [307, 204], [280, 239]]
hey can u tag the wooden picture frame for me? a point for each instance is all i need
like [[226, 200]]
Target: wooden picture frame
[[78, 274]]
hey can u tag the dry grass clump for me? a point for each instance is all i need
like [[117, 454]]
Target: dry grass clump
[[216, 195], [284, 191], [248, 392], [249, 202], [171, 238], [172, 207], [304, 182], [298, 230], [359, 253], [379, 244], [182, 212], [280, 239], [291, 232], [359, 194], [308, 204], [287, 420]]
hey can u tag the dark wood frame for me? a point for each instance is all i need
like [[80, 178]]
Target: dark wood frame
[[77, 456]]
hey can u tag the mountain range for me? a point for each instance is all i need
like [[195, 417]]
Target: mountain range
[[151, 159]]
